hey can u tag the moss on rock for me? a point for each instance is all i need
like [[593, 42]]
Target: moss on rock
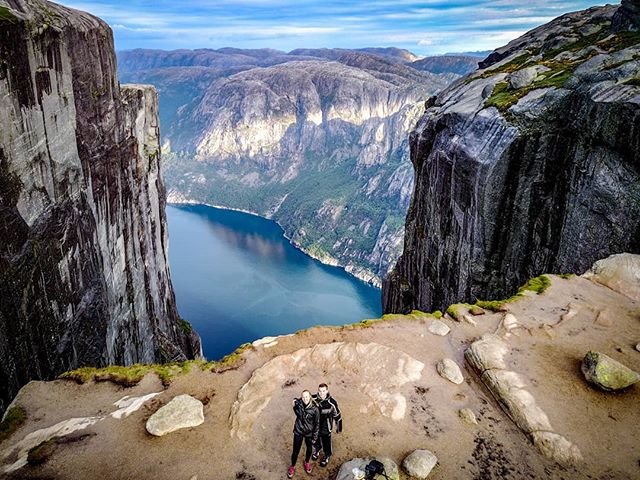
[[12, 420]]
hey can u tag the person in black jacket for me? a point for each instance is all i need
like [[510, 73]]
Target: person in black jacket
[[329, 412], [306, 428]]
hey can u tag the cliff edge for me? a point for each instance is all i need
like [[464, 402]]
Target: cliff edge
[[511, 401], [528, 165], [84, 278]]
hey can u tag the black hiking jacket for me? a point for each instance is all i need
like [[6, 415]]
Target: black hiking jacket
[[329, 412], [307, 419]]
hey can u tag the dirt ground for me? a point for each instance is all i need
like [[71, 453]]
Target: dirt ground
[[546, 351]]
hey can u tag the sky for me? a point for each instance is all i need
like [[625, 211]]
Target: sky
[[428, 27]]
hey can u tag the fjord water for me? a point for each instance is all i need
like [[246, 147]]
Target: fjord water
[[237, 279]]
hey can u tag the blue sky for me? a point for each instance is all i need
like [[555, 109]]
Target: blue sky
[[426, 28]]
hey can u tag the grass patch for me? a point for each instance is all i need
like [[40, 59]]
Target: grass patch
[[634, 82], [131, 375], [41, 452], [560, 71], [228, 362], [620, 41], [503, 98], [566, 276], [455, 311], [536, 284], [413, 315], [512, 65], [13, 419], [185, 326]]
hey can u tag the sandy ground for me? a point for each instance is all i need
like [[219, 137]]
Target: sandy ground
[[603, 425]]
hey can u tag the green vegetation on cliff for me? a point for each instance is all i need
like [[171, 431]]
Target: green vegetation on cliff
[[14, 417], [537, 285], [131, 375], [559, 70]]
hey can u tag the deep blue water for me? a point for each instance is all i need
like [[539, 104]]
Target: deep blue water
[[237, 279]]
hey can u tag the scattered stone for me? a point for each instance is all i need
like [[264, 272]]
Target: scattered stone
[[510, 324], [607, 373], [439, 328], [346, 471], [603, 319], [183, 411], [476, 310], [619, 272], [522, 78], [638, 347], [469, 320], [467, 416], [419, 463], [450, 370]]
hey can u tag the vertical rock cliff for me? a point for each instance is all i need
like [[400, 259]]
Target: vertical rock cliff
[[84, 276], [529, 165]]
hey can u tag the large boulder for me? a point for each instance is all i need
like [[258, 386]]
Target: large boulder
[[522, 78], [627, 17], [354, 469], [607, 373], [619, 272], [183, 411], [419, 463]]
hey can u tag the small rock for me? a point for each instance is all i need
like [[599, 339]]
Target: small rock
[[638, 347], [469, 320], [556, 447], [476, 310], [346, 470], [467, 416], [183, 411], [603, 319], [449, 370], [439, 328], [419, 463], [607, 373]]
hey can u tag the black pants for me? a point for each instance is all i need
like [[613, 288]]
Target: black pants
[[297, 445], [324, 443]]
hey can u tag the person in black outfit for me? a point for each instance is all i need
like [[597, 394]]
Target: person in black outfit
[[306, 428], [329, 412]]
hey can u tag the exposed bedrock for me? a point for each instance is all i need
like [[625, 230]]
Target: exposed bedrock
[[84, 277], [514, 179]]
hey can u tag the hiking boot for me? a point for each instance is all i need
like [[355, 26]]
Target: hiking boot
[[291, 471], [307, 467], [324, 462]]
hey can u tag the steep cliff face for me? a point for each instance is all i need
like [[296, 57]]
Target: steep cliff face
[[84, 277], [319, 143], [528, 165]]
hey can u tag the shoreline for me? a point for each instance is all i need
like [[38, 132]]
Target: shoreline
[[329, 260]]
